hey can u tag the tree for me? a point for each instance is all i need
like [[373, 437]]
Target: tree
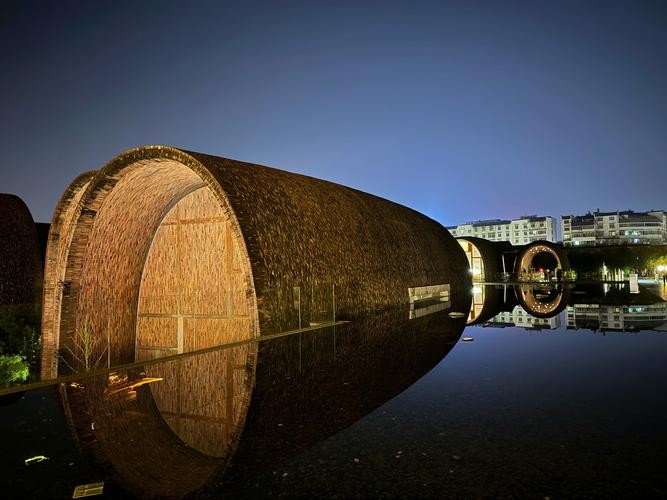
[[13, 370], [86, 350], [19, 335]]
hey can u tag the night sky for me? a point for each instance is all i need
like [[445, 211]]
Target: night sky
[[461, 110]]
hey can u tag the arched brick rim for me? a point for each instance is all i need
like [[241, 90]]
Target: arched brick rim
[[473, 246], [525, 294], [491, 253], [75, 218], [95, 256], [526, 256], [57, 247]]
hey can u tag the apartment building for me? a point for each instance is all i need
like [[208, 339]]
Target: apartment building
[[617, 317], [615, 228], [518, 231]]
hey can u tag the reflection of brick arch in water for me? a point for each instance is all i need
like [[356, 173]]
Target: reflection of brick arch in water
[[308, 387], [488, 301], [542, 301], [165, 429]]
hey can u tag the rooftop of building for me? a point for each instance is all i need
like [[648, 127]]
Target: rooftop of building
[[598, 213], [535, 218], [491, 222], [501, 222], [639, 217]]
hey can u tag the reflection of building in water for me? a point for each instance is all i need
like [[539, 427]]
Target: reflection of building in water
[[417, 310], [538, 306], [164, 429], [172, 427], [519, 317], [205, 406], [428, 299], [477, 304], [489, 300], [617, 317]]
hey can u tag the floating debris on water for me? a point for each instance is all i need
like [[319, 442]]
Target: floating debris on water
[[468, 339], [455, 314], [88, 490], [35, 460]]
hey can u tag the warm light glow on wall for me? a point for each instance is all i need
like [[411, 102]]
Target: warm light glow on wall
[[474, 259]]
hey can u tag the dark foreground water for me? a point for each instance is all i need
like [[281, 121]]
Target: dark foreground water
[[384, 408]]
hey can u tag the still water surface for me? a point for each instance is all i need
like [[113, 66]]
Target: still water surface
[[382, 407]]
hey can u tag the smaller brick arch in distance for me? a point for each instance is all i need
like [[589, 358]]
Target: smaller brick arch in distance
[[485, 257], [526, 255]]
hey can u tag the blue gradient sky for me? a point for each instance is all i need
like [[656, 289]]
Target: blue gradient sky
[[461, 110]]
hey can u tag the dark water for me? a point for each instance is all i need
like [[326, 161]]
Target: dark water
[[383, 407]]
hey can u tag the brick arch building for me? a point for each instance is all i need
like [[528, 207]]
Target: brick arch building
[[164, 251]]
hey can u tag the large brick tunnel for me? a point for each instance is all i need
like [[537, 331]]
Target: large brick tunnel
[[164, 251]]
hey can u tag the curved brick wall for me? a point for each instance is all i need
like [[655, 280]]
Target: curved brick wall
[[283, 231], [300, 230], [20, 257]]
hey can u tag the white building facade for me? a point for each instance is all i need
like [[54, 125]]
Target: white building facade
[[615, 228], [518, 231]]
